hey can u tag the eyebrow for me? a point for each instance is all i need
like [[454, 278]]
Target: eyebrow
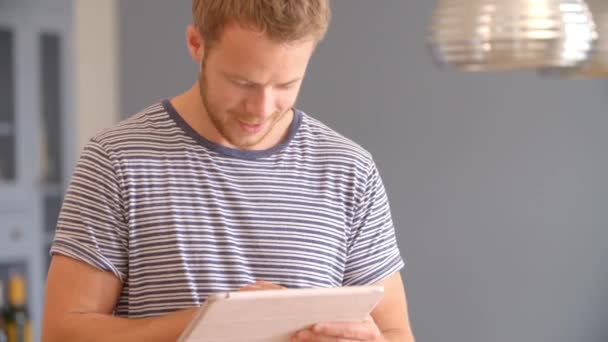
[[236, 77]]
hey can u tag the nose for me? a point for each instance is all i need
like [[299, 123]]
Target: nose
[[261, 104]]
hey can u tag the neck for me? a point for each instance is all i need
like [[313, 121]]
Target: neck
[[191, 108]]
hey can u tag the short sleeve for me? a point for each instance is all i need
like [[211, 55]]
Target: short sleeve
[[373, 253], [92, 226]]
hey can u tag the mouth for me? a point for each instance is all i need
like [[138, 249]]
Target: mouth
[[250, 128]]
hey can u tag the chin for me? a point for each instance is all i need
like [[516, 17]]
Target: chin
[[248, 145]]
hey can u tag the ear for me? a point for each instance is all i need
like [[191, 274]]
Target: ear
[[195, 43]]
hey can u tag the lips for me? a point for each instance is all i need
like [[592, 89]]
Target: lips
[[251, 128]]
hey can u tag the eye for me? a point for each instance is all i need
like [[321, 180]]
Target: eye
[[242, 83], [286, 86]]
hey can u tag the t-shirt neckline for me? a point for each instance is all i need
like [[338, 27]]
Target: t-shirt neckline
[[233, 152]]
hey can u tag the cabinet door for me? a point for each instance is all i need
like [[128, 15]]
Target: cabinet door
[[11, 176], [19, 108], [7, 105]]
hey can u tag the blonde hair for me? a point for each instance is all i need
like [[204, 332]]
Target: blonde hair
[[281, 20]]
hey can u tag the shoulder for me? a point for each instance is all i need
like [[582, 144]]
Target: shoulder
[[152, 127], [325, 138], [144, 121]]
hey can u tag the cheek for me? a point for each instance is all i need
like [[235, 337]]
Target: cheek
[[286, 100], [225, 101], [222, 95]]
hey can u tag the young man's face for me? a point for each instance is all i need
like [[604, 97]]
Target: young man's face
[[249, 84]]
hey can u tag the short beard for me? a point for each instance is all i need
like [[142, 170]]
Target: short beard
[[215, 120], [202, 82]]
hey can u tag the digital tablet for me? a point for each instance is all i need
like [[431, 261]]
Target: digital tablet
[[276, 315]]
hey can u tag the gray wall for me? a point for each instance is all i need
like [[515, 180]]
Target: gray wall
[[497, 181], [154, 61]]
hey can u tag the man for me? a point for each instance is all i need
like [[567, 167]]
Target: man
[[225, 187]]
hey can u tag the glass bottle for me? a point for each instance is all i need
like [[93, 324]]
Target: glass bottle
[[17, 318], [3, 337]]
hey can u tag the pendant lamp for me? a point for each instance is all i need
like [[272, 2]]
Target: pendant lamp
[[597, 65], [501, 35]]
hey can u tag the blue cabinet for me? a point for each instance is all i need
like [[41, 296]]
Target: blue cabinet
[[35, 95]]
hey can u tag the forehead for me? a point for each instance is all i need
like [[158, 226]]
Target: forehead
[[248, 51]]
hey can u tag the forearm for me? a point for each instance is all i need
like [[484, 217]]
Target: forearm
[[90, 327], [397, 336]]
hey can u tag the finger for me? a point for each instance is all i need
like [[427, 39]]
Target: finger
[[309, 336], [250, 287], [261, 285], [268, 285], [362, 331]]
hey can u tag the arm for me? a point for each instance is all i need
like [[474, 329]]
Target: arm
[[390, 321], [79, 302], [373, 240], [391, 314]]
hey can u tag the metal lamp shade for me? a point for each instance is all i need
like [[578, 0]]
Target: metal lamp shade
[[597, 65], [494, 35]]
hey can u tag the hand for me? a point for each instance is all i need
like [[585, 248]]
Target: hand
[[261, 285], [340, 332]]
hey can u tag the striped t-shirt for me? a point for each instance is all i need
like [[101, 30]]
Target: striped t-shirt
[[176, 217]]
